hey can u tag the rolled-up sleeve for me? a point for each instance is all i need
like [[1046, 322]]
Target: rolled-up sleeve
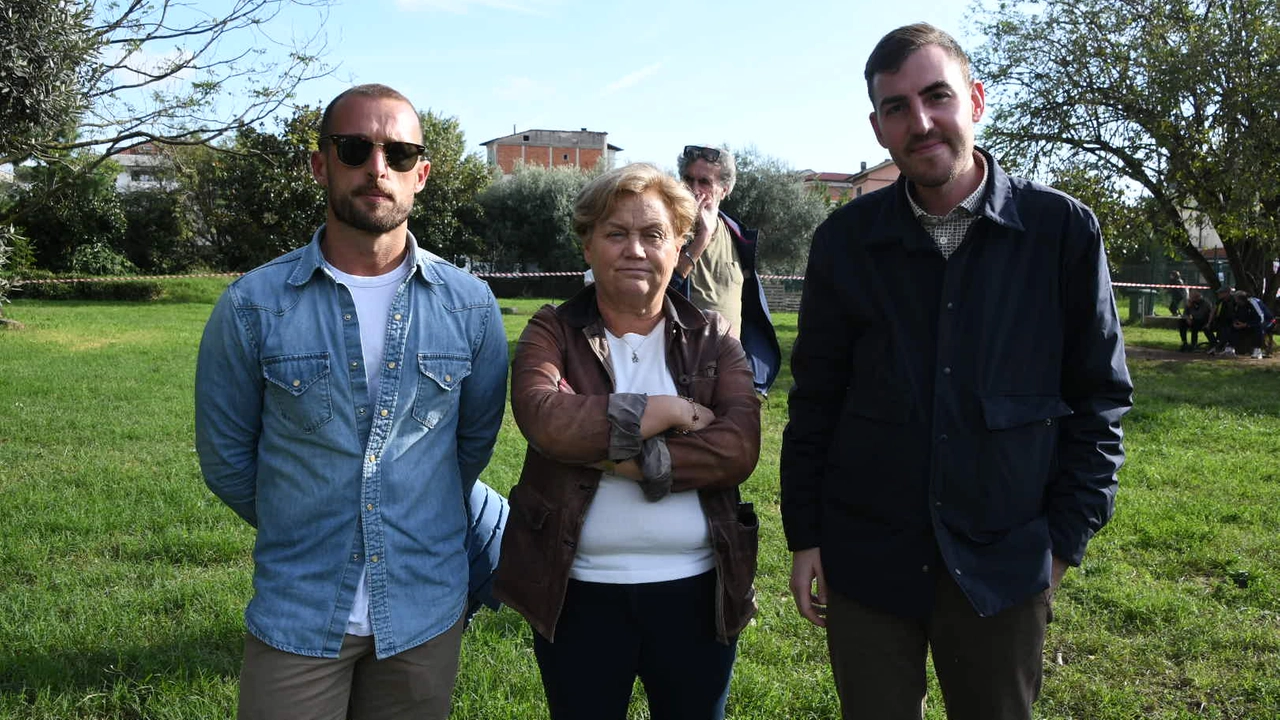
[[562, 425], [725, 452]]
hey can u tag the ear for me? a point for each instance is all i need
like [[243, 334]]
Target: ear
[[875, 127], [977, 96], [424, 169], [319, 168], [586, 250]]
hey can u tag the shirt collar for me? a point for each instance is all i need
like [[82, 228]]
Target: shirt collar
[[312, 260], [969, 205]]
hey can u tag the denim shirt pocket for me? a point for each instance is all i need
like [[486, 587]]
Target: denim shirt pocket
[[439, 376], [298, 389]]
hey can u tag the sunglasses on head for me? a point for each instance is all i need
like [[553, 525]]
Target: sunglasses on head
[[693, 152], [354, 150]]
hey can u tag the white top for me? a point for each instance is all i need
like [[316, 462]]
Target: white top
[[625, 538], [372, 297]]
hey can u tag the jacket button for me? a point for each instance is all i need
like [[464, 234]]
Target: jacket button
[[1048, 421], [946, 371]]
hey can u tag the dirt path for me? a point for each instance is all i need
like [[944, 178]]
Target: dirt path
[[1147, 353]]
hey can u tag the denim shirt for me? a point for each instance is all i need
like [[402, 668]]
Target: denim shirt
[[335, 481]]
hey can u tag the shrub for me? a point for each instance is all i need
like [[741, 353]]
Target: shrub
[[112, 290], [98, 258]]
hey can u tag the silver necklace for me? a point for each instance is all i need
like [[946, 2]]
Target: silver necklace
[[634, 357]]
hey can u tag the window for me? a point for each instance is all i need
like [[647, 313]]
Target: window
[[564, 156], [526, 138]]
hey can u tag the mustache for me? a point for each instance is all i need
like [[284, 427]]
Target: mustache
[[930, 137], [373, 188]]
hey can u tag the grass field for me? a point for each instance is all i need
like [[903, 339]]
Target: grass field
[[123, 580]]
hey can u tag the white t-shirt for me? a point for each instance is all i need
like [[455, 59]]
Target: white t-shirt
[[372, 297], [625, 538]]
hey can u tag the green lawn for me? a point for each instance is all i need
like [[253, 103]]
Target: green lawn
[[122, 579]]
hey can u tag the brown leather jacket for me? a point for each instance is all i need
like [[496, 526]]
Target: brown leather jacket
[[563, 400]]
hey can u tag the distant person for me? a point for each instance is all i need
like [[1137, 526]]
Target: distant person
[[1177, 293], [954, 430], [348, 394], [1195, 318], [1220, 323], [1252, 321], [628, 549], [717, 269]]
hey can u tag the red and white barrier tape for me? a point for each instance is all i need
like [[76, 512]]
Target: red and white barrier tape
[[111, 278], [486, 275]]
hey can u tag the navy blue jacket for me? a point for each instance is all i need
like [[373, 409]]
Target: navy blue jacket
[[759, 340], [958, 416]]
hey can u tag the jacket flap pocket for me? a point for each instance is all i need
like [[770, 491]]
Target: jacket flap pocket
[[1003, 412], [295, 373], [447, 370]]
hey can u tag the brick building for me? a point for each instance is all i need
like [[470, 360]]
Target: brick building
[[845, 186], [551, 148]]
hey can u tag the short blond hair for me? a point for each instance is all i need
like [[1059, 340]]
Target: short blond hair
[[598, 198]]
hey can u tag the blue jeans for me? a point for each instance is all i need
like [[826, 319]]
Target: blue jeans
[[663, 633]]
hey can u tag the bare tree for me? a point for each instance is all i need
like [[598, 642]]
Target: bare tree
[[170, 72]]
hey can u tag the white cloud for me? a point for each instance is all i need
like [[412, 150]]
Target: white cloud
[[528, 7], [631, 79]]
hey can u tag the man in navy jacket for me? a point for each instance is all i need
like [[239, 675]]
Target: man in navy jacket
[[954, 429]]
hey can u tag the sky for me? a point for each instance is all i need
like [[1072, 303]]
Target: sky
[[782, 76]]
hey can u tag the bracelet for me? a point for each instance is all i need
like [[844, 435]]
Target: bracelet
[[693, 406]]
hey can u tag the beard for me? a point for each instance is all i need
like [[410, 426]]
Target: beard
[[932, 173], [381, 219]]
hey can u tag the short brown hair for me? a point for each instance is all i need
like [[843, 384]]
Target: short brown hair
[[599, 197], [369, 90], [895, 47]]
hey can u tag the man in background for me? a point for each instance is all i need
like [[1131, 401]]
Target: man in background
[[717, 268]]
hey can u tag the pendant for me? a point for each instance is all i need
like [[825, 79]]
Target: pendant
[[634, 358]]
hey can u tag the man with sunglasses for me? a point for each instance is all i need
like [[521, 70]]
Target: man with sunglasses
[[348, 394], [954, 430], [717, 267]]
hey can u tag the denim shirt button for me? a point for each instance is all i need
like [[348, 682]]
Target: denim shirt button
[[396, 316], [347, 317], [373, 558], [369, 507], [383, 412], [391, 366]]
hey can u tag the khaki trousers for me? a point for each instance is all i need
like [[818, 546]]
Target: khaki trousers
[[417, 683], [988, 668]]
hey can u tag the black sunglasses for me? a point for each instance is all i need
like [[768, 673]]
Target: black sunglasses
[[354, 150], [693, 152]]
